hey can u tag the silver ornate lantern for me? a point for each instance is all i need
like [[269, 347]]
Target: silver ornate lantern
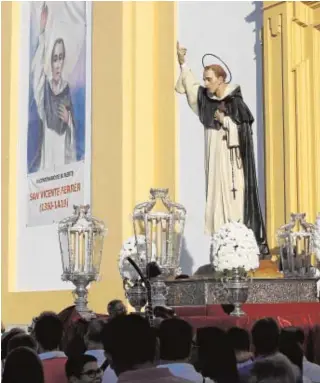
[[81, 242], [295, 243], [163, 229], [316, 240]]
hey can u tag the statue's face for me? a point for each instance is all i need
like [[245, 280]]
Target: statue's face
[[211, 81], [57, 61]]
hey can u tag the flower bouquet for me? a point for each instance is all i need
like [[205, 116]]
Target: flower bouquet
[[234, 247], [134, 248], [133, 284], [235, 252]]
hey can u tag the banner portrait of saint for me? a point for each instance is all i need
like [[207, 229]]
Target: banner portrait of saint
[[57, 85]]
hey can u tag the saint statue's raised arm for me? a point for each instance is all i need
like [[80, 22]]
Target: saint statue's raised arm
[[231, 183]]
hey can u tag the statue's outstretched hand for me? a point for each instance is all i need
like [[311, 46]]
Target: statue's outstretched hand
[[43, 17], [181, 53]]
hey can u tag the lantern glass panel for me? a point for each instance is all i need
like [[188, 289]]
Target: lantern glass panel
[[97, 246], [64, 250]]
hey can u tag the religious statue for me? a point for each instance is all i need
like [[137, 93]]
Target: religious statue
[[231, 183]]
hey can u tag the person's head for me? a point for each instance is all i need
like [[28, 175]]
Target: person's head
[[290, 347], [48, 331], [205, 338], [75, 338], [6, 338], [23, 365], [83, 369], [58, 56], [239, 339], [214, 76], [217, 358], [293, 352], [22, 340], [175, 337], [129, 342], [300, 336], [291, 334], [271, 370], [116, 307], [265, 336], [93, 337]]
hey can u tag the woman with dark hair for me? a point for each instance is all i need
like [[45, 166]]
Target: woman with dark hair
[[22, 340], [216, 357], [23, 366], [289, 346], [5, 340]]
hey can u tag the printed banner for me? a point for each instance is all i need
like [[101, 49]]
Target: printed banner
[[57, 110], [51, 198]]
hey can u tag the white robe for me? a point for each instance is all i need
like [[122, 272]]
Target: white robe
[[220, 147], [53, 145]]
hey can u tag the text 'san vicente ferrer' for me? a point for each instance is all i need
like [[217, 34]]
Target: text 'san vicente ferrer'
[[55, 192]]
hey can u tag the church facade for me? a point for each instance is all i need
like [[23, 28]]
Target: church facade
[[140, 128]]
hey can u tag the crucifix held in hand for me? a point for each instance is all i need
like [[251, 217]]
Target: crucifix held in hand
[[234, 190]]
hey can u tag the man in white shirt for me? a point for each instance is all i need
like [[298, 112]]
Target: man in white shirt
[[93, 340], [310, 370], [175, 337], [48, 331], [130, 346], [240, 341]]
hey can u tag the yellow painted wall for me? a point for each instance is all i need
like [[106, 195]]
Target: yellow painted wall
[[133, 136], [292, 117]]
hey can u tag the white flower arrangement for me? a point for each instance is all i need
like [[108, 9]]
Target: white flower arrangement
[[234, 246], [316, 238], [137, 253]]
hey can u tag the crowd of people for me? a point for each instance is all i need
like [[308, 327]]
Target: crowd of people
[[124, 347]]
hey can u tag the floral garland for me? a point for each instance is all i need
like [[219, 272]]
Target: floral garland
[[234, 246], [137, 253]]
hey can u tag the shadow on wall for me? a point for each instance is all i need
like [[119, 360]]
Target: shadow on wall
[[186, 261], [256, 18]]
